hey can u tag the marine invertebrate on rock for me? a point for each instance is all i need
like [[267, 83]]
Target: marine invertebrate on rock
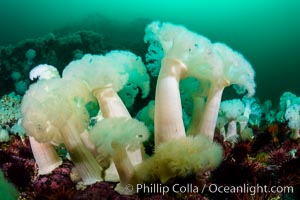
[[292, 114], [278, 156], [30, 55], [189, 54], [4, 136], [240, 151], [232, 110], [63, 123], [116, 137], [10, 109], [115, 69], [105, 76], [253, 111], [179, 158]]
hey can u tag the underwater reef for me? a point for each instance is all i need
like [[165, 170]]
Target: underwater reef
[[84, 118]]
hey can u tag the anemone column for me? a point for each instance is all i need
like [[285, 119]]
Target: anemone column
[[168, 112], [209, 117]]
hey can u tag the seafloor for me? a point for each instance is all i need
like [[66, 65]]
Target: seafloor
[[265, 161]]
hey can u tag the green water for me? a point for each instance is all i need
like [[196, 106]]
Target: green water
[[266, 32]]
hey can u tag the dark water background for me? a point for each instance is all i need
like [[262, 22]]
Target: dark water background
[[266, 32]]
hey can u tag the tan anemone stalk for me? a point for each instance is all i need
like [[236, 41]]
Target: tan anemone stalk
[[199, 102], [45, 156], [168, 111], [209, 117], [110, 103]]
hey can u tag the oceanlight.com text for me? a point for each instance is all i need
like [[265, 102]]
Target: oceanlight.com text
[[250, 189]]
